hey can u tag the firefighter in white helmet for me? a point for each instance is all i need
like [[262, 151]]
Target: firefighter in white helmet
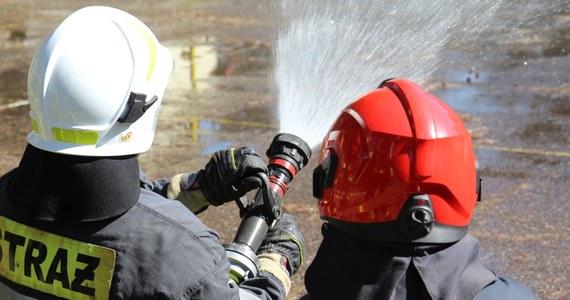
[[78, 220]]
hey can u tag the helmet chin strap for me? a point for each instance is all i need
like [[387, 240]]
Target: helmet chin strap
[[136, 107]]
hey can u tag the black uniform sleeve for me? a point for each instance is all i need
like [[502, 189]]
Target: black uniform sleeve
[[264, 286], [158, 186], [209, 257], [178, 188]]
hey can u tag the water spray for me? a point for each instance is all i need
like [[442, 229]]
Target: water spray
[[354, 44], [288, 154]]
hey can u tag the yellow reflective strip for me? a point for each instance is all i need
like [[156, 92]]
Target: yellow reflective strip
[[54, 264], [35, 126], [75, 136], [151, 49], [298, 245], [233, 159]]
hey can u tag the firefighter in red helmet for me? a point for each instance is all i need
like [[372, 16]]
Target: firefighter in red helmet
[[396, 185]]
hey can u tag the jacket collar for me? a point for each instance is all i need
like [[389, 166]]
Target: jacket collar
[[54, 187], [345, 268]]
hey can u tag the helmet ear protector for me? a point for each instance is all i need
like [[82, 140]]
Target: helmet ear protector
[[323, 175]]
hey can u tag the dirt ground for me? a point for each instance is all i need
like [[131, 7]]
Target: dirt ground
[[517, 107]]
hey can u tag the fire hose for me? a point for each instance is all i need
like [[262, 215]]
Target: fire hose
[[287, 154]]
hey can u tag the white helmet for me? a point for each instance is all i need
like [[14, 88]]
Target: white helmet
[[96, 83]]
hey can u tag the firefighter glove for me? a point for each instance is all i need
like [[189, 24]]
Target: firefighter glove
[[230, 174], [285, 239]]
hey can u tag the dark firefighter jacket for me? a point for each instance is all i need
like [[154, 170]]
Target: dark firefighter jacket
[[82, 228], [345, 268]]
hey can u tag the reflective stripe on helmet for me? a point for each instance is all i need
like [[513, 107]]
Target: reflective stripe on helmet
[[75, 136], [151, 47], [35, 126]]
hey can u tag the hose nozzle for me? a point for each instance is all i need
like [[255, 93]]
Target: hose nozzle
[[288, 154]]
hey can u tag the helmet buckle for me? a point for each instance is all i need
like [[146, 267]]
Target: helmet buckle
[[136, 107], [416, 218]]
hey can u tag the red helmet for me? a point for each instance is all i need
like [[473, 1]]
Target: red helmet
[[398, 166]]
